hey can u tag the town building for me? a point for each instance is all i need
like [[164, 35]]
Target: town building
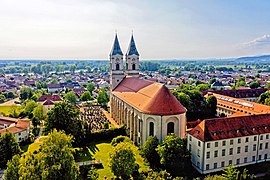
[[230, 106], [18, 127], [48, 101], [145, 107], [216, 143]]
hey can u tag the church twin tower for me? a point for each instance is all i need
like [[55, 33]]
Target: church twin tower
[[117, 72]]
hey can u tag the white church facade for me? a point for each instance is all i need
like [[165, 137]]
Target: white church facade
[[146, 108]]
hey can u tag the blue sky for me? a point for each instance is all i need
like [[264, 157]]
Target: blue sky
[[84, 29]]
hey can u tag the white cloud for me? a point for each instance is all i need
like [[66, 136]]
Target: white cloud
[[259, 43]]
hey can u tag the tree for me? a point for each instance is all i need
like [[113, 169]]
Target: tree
[[71, 97], [90, 87], [8, 148], [30, 106], [10, 95], [86, 96], [103, 98], [212, 80], [162, 175], [72, 68], [267, 85], [184, 99], [230, 173], [26, 93], [119, 139], [262, 98], [174, 155], [254, 85], [211, 103], [54, 159], [12, 171], [149, 152], [2, 98], [38, 113], [122, 161], [65, 117], [92, 174]]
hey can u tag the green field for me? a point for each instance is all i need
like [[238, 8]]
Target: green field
[[7, 110]]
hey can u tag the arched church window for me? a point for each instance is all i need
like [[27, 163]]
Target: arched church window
[[117, 67], [126, 66], [133, 66], [170, 128], [151, 129]]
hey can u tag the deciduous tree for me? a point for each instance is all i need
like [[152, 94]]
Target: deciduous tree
[[122, 161], [8, 148]]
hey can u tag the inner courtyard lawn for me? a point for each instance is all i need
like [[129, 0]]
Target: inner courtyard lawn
[[101, 151]]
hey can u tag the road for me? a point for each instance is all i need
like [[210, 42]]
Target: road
[[11, 102]]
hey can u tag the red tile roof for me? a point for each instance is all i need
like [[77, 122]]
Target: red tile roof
[[239, 93], [21, 125], [232, 127], [54, 97], [148, 97]]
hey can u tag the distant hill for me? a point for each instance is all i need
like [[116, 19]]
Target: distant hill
[[263, 58]]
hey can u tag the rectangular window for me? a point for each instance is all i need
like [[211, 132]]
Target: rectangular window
[[260, 146], [255, 138], [254, 147], [266, 145], [223, 143], [231, 142], [223, 152], [246, 148], [261, 138], [267, 136], [215, 165], [190, 138], [245, 160], [238, 150], [222, 164], [231, 151], [208, 145], [253, 158], [207, 155], [190, 147], [237, 161], [239, 140], [216, 154], [260, 157], [198, 164], [216, 144], [207, 167], [230, 161], [247, 139], [198, 153], [199, 143], [265, 156]]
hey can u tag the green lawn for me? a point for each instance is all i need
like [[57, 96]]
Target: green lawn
[[102, 152], [6, 110]]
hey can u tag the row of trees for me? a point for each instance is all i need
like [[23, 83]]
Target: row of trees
[[53, 160], [197, 105]]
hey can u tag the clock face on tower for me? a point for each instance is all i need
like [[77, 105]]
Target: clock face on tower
[[117, 60], [133, 60]]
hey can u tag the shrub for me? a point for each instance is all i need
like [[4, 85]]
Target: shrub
[[120, 139]]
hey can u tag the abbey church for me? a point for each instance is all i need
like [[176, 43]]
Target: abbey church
[[146, 108]]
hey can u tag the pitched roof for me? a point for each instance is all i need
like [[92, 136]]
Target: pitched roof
[[48, 102], [244, 106], [148, 97], [116, 47], [54, 97], [21, 125], [232, 127], [54, 86], [239, 93], [132, 47]]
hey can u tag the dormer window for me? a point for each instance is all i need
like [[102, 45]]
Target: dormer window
[[214, 133]]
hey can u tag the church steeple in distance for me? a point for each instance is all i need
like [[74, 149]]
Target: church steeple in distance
[[116, 47], [132, 59], [116, 64], [132, 47]]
